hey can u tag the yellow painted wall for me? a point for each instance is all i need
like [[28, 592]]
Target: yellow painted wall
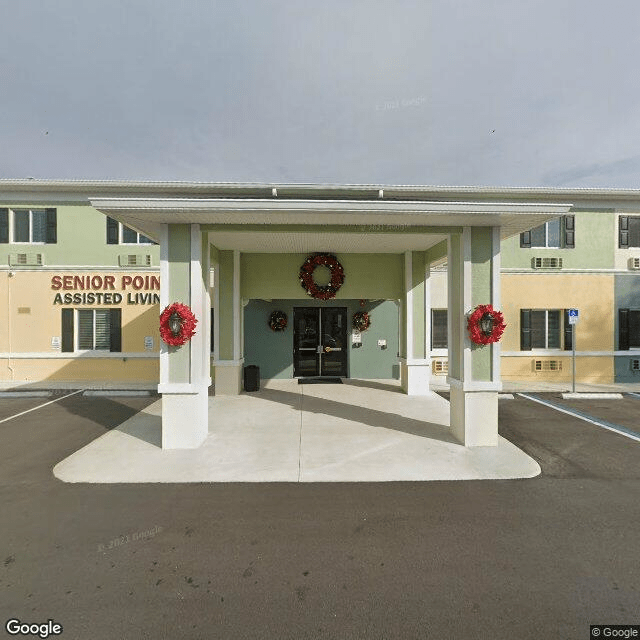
[[30, 319], [82, 369], [593, 295], [590, 369]]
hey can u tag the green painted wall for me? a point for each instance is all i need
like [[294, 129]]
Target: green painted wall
[[273, 352], [225, 282], [179, 254], [82, 240], [594, 239], [481, 294], [455, 275], [367, 275], [417, 278], [436, 252]]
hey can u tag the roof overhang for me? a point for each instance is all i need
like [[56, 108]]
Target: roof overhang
[[372, 217]]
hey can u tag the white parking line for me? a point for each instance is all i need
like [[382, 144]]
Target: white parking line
[[623, 431], [17, 415]]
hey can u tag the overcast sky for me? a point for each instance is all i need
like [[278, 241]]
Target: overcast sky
[[448, 92]]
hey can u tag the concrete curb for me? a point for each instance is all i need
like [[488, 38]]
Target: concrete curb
[[25, 394], [116, 392], [592, 396]]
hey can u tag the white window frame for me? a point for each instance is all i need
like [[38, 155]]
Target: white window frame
[[12, 227], [546, 235], [546, 331], [76, 332], [130, 244]]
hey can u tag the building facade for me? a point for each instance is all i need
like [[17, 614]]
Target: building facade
[[87, 266]]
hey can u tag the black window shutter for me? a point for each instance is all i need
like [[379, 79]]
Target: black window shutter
[[623, 329], [569, 232], [623, 229], [67, 330], [52, 226], [4, 226], [112, 231], [212, 333], [525, 240], [568, 332], [525, 329], [116, 330]]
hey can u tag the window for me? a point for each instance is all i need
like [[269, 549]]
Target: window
[[628, 231], [558, 233], [118, 233], [545, 329], [28, 226], [439, 329], [91, 330], [628, 329]]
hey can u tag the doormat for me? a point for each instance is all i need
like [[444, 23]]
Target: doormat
[[319, 380]]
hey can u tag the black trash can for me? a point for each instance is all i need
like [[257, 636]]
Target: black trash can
[[252, 378]]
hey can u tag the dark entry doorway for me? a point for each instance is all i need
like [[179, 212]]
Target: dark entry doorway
[[319, 341]]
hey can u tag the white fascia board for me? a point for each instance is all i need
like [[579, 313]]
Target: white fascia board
[[145, 213]]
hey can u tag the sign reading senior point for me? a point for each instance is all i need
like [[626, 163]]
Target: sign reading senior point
[[105, 289]]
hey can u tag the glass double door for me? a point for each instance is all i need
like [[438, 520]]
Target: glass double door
[[319, 341]]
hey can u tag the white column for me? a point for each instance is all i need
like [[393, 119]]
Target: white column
[[415, 373], [185, 417], [473, 403]]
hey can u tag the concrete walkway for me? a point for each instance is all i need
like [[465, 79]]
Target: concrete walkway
[[360, 431]]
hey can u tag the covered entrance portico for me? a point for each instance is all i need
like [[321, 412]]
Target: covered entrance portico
[[255, 239]]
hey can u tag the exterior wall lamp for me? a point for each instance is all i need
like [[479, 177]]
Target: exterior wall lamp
[[175, 323], [486, 323]]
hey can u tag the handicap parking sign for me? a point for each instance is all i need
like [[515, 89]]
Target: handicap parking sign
[[573, 316]]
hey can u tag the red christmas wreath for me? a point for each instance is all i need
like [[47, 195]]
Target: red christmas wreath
[[321, 292], [361, 320], [493, 321], [177, 324]]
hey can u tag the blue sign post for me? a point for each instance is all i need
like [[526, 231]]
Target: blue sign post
[[574, 316]]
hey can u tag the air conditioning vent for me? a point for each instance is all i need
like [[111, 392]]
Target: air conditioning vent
[[634, 263], [134, 260], [440, 367], [635, 364], [547, 263], [547, 365], [26, 259]]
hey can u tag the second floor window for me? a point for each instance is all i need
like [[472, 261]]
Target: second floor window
[[628, 231], [28, 226], [118, 233], [558, 233]]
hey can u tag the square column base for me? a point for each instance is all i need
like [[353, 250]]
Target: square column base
[[474, 417], [185, 419], [228, 378], [415, 378]]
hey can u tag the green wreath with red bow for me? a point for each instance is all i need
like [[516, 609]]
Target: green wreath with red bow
[[181, 316]]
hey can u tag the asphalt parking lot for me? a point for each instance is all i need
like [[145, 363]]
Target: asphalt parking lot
[[538, 558]]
